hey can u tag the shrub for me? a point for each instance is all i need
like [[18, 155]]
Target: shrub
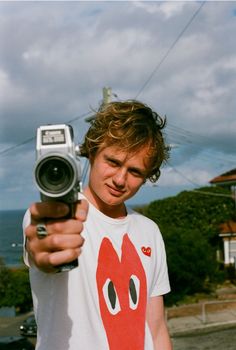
[[15, 288]]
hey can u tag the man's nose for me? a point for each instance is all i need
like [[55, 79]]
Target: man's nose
[[119, 177]]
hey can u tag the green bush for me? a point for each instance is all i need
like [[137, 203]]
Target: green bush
[[15, 288], [189, 223], [231, 273], [191, 263], [194, 210]]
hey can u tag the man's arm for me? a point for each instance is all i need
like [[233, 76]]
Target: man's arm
[[157, 324]]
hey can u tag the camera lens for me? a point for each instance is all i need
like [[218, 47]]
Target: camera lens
[[55, 175]]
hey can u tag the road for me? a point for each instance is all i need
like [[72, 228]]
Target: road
[[10, 326], [218, 340]]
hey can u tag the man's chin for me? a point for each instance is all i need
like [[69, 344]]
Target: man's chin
[[115, 200]]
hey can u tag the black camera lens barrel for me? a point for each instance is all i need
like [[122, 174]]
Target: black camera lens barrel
[[55, 175]]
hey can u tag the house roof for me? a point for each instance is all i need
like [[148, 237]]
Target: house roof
[[228, 178], [228, 227]]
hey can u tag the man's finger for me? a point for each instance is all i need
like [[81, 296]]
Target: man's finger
[[48, 210], [49, 261], [81, 210]]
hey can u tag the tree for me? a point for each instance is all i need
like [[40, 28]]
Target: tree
[[15, 288], [5, 282], [191, 263], [194, 210], [189, 223]]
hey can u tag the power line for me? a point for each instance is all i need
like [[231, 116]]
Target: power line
[[142, 88], [78, 117], [17, 145], [9, 149], [169, 50], [195, 184], [182, 136], [186, 133], [182, 175], [211, 193]]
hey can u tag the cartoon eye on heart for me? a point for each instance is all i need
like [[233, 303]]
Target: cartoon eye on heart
[[111, 297], [134, 290]]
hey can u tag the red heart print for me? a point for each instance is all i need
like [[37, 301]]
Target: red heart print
[[147, 251]]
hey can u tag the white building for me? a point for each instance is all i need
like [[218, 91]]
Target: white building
[[228, 233], [228, 229]]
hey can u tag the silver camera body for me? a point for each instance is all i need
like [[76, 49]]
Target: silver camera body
[[57, 169]]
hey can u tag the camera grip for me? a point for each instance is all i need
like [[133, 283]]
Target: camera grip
[[73, 264], [68, 266]]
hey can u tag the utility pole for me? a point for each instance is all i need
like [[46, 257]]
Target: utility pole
[[107, 93]]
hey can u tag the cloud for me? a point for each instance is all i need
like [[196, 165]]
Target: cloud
[[185, 176], [57, 56], [166, 9]]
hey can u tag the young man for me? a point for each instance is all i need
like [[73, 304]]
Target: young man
[[114, 299]]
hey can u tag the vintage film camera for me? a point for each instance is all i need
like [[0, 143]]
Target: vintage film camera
[[57, 170]]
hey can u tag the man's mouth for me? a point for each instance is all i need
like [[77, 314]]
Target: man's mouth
[[115, 191]]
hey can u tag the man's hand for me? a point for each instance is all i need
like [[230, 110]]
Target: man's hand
[[64, 242]]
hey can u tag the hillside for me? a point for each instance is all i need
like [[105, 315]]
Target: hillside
[[189, 223]]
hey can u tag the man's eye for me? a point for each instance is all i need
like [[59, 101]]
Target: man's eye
[[113, 162], [136, 173]]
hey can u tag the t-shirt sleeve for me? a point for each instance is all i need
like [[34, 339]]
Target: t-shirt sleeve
[[26, 222], [161, 284]]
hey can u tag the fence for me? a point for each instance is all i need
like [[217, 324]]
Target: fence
[[206, 312]]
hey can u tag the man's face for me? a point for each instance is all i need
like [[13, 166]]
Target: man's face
[[116, 175]]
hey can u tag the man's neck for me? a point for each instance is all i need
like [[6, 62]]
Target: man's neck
[[114, 211]]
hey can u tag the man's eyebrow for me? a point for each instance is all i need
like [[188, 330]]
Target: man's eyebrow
[[111, 157], [140, 171]]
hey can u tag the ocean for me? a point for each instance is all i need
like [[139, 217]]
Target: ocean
[[11, 237]]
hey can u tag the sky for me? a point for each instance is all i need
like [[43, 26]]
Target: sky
[[178, 57]]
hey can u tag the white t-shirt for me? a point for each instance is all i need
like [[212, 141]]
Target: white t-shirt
[[101, 305]]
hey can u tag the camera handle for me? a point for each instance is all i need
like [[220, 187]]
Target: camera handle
[[75, 263]]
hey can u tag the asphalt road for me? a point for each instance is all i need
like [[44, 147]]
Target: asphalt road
[[218, 340], [11, 327]]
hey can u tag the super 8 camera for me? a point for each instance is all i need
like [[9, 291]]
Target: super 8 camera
[[57, 170]]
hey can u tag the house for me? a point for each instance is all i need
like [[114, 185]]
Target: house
[[228, 233], [227, 179], [228, 229]]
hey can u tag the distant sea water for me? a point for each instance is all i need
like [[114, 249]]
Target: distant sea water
[[11, 237]]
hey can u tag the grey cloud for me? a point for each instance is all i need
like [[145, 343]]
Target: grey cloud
[[56, 57]]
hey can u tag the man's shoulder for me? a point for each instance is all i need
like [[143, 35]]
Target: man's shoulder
[[141, 219]]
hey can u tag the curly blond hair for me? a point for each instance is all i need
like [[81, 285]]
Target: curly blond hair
[[129, 125]]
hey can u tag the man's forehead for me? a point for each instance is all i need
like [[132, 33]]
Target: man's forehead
[[118, 150]]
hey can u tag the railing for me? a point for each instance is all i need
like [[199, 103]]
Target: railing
[[203, 310], [216, 306]]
